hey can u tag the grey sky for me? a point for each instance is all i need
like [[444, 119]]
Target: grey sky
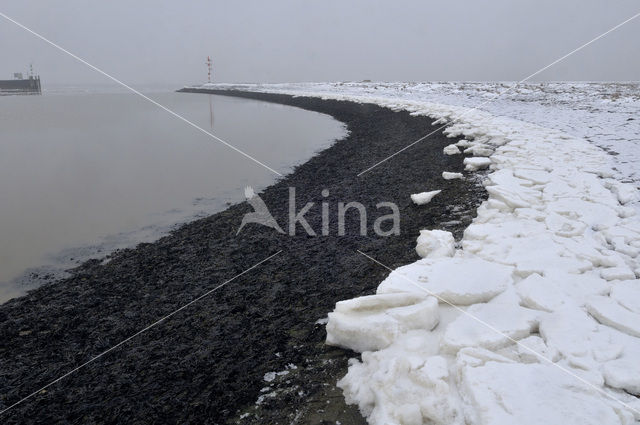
[[152, 41]]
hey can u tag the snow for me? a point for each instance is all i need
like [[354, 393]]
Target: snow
[[424, 197], [270, 376], [535, 316]]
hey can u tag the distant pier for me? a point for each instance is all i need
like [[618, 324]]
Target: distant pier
[[29, 85]]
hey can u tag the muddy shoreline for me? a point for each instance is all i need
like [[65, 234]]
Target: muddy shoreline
[[207, 363]]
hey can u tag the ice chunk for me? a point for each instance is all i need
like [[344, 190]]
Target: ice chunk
[[450, 176], [595, 215], [392, 387], [476, 163], [532, 394], [476, 356], [608, 312], [559, 289], [457, 280], [620, 245], [625, 192], [451, 150], [563, 226], [492, 325], [538, 176], [514, 195], [435, 243], [567, 330], [531, 348], [424, 197], [373, 322], [627, 293], [618, 273], [623, 374], [479, 150]]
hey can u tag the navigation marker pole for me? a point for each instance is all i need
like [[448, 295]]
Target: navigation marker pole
[[209, 64]]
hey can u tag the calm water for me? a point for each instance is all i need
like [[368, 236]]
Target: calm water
[[83, 174]]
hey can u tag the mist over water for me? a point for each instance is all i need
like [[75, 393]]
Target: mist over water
[[111, 170]]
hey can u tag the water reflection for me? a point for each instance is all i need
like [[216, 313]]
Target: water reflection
[[211, 111]]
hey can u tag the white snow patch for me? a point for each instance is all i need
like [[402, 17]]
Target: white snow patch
[[270, 376]]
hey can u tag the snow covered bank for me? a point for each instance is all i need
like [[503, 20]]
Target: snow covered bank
[[535, 319], [603, 113]]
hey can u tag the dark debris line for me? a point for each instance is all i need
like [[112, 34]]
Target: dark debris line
[[206, 364]]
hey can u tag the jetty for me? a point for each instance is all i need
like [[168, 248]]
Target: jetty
[[21, 85]]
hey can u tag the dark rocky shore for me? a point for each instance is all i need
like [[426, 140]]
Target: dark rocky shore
[[206, 364]]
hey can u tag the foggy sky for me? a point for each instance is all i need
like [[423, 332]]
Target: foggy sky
[[166, 42]]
